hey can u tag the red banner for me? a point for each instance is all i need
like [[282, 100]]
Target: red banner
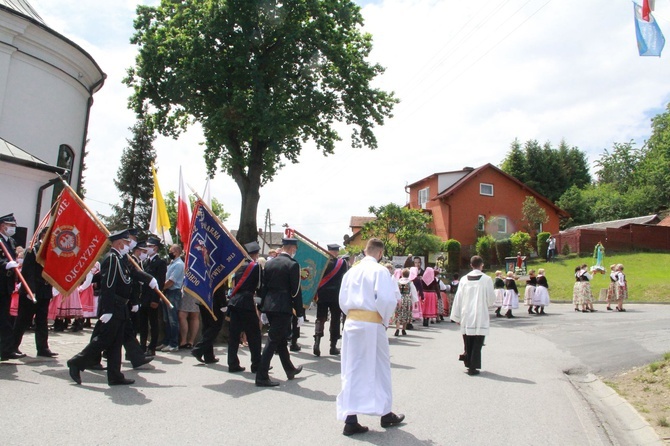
[[74, 242]]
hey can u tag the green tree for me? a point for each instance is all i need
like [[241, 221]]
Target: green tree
[[262, 77], [533, 215], [521, 243], [400, 229], [171, 207], [618, 167], [515, 162], [134, 180], [653, 169]]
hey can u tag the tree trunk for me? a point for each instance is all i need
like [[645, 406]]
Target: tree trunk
[[248, 230]]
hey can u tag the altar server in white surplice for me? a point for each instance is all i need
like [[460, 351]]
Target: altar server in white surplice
[[368, 298]]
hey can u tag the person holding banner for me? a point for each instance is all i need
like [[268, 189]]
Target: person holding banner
[[8, 267], [115, 291], [368, 299], [243, 316], [155, 266], [280, 298], [32, 272], [328, 299]]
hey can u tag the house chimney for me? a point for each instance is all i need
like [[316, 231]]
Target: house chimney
[[468, 169]]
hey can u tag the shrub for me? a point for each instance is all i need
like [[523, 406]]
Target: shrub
[[565, 250], [484, 248], [453, 249], [542, 243], [521, 243], [503, 249]]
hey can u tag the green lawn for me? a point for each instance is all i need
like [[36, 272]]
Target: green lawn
[[648, 275]]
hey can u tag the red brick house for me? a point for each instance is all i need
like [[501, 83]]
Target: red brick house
[[466, 201]]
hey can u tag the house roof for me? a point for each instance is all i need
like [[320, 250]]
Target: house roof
[[358, 222], [472, 174], [15, 155], [24, 8], [645, 220], [464, 171], [665, 221]]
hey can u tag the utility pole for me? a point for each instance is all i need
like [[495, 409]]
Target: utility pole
[[267, 228]]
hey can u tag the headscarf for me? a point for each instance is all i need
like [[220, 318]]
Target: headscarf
[[428, 276], [397, 273], [413, 272]]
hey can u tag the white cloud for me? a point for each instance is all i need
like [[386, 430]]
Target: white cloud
[[472, 76]]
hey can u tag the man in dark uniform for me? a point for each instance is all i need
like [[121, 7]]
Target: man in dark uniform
[[243, 316], [7, 283], [328, 298], [156, 267], [204, 350], [280, 298], [115, 284], [42, 290]]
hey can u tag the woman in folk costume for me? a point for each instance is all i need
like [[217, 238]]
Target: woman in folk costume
[[442, 300], [499, 290], [403, 312], [63, 308], [621, 288], [611, 289], [417, 314], [529, 292], [511, 299], [431, 289], [587, 295], [89, 301], [577, 289], [541, 297]]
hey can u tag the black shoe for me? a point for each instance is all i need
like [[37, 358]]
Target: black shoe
[[266, 383], [47, 354], [593, 310], [235, 368], [609, 308], [291, 374], [353, 429], [97, 367], [197, 355], [295, 348], [141, 362], [397, 333], [12, 355], [404, 333], [472, 372], [530, 310], [410, 327], [211, 360], [121, 382], [75, 373], [391, 419], [334, 351]]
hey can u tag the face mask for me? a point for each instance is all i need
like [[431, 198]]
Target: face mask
[[133, 243], [171, 255], [143, 256], [10, 231], [125, 250]]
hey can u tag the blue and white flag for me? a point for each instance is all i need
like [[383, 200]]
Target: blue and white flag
[[650, 40], [212, 255]]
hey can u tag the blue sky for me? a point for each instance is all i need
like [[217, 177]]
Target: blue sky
[[471, 76]]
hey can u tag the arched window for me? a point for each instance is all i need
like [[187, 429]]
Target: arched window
[[66, 161]]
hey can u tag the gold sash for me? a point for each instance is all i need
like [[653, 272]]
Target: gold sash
[[364, 316]]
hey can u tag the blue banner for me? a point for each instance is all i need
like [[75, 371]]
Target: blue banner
[[212, 255], [313, 262], [650, 40]]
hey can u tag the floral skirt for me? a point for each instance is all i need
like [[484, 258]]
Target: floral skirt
[[611, 291], [622, 292], [403, 312]]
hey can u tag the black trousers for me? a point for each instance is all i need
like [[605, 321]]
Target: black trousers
[[210, 330], [134, 353], [473, 351], [28, 310], [107, 337], [244, 321], [278, 334], [148, 324], [6, 330], [322, 309]]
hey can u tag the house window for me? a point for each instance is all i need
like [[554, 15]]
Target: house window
[[481, 223], [423, 197], [502, 225], [539, 228], [66, 161], [486, 189]]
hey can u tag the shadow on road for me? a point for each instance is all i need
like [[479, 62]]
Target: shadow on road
[[496, 377], [390, 437]]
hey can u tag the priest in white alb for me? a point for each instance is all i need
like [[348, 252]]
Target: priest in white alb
[[471, 310], [368, 298]]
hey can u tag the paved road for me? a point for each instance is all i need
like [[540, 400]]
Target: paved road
[[523, 396]]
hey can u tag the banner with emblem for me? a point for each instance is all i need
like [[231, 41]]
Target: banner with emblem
[[74, 242], [313, 262], [212, 255]]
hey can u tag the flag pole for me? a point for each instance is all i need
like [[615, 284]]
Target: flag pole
[[316, 245], [159, 292], [102, 226], [18, 273]]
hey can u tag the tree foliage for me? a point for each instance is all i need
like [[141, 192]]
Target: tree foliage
[[262, 77], [171, 207], [546, 170], [533, 215], [134, 180], [521, 243], [402, 230], [485, 248]]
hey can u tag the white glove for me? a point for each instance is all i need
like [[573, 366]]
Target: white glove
[[20, 261], [135, 308], [224, 309], [11, 265], [153, 284], [105, 318], [301, 320], [264, 319], [54, 292]]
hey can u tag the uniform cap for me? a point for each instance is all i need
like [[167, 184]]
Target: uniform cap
[[9, 218], [119, 235], [289, 242], [333, 247], [252, 247], [153, 241]]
